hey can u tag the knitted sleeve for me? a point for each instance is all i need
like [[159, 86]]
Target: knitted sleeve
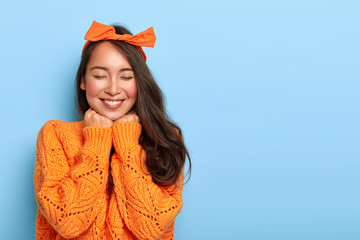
[[148, 210], [69, 197]]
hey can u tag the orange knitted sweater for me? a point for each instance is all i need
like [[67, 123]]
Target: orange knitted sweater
[[71, 175]]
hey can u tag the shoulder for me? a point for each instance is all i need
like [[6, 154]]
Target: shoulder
[[54, 128], [61, 123]]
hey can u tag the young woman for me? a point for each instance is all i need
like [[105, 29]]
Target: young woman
[[118, 174]]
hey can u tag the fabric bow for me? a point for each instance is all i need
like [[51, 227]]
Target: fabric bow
[[99, 31]]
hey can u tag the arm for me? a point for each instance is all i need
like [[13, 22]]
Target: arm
[[147, 209], [69, 198]]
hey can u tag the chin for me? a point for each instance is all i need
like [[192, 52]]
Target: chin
[[113, 117]]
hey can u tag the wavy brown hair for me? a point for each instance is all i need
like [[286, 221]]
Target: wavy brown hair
[[161, 138]]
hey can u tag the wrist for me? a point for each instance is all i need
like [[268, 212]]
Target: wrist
[[97, 139], [126, 133]]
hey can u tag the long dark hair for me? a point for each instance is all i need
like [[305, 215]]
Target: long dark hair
[[161, 138]]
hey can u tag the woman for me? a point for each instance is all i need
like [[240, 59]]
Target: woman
[[118, 174]]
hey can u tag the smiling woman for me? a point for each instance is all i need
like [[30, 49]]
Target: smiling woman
[[109, 82], [119, 173]]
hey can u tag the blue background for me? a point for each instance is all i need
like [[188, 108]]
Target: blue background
[[266, 92]]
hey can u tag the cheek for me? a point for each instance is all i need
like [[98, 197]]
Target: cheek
[[92, 89], [132, 91]]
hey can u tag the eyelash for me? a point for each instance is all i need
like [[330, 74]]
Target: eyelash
[[125, 78]]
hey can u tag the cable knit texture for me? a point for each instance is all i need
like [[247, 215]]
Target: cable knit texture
[[71, 174]]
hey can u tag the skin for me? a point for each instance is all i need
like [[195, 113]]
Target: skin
[[109, 76]]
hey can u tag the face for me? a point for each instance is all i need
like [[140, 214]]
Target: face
[[109, 82]]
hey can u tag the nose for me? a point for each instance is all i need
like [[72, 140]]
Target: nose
[[113, 87]]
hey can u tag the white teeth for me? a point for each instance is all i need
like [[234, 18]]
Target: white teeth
[[112, 102]]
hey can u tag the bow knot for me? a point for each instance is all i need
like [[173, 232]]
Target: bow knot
[[99, 31]]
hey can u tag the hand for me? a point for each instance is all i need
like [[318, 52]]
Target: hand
[[92, 119], [130, 117]]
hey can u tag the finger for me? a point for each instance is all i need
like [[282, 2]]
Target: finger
[[89, 111]]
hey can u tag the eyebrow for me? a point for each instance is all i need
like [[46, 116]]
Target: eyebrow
[[106, 69]]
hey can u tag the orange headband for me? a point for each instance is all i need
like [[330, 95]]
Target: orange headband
[[99, 31]]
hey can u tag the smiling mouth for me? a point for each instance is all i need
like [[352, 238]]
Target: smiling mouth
[[112, 103]]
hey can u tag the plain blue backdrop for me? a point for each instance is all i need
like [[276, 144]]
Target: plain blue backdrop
[[266, 92]]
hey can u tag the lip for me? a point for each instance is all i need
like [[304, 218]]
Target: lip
[[110, 99], [112, 106]]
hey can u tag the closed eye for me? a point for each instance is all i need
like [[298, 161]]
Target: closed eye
[[127, 78], [98, 77]]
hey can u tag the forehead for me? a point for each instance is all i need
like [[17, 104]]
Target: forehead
[[107, 55]]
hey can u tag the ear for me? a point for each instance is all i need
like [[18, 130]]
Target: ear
[[82, 84]]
